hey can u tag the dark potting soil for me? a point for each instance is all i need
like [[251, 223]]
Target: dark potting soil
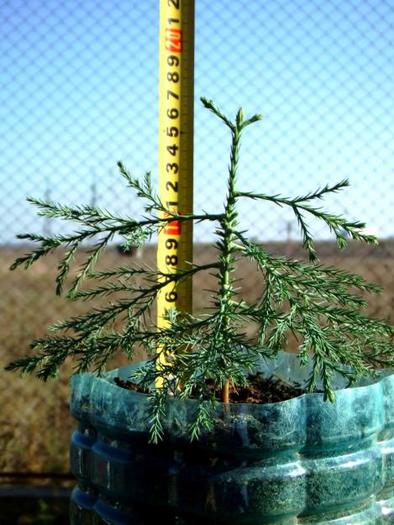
[[129, 385], [260, 390]]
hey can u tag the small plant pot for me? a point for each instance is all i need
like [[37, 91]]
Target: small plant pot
[[303, 460]]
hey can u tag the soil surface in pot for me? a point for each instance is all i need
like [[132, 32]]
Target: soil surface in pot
[[260, 390]]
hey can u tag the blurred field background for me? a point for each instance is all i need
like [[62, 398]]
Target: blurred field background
[[35, 425], [80, 92]]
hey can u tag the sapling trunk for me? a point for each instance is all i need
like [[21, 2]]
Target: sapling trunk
[[227, 244], [226, 392]]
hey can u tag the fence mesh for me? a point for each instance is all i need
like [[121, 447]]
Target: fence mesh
[[80, 91]]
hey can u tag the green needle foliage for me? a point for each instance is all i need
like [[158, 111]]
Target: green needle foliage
[[321, 306]]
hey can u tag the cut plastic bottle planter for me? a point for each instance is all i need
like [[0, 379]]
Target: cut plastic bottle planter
[[303, 460]]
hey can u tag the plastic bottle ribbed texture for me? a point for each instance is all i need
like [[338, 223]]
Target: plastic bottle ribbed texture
[[301, 461]]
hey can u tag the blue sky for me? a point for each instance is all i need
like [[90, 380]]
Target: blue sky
[[79, 91]]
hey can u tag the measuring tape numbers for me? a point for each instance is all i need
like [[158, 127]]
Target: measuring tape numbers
[[176, 83]]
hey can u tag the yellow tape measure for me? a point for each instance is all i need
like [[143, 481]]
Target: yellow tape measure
[[175, 242]]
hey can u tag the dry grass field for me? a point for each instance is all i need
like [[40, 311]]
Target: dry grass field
[[34, 421]]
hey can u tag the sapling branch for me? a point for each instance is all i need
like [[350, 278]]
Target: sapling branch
[[336, 223]]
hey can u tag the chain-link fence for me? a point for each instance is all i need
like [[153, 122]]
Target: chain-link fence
[[79, 91]]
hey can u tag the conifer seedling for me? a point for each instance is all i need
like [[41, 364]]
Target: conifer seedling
[[206, 353]]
